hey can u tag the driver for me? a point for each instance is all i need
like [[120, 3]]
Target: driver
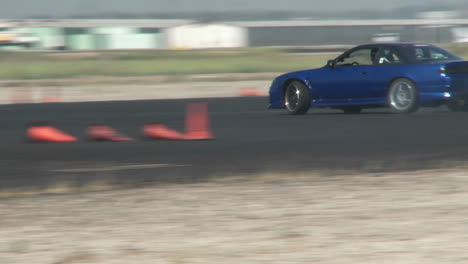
[[388, 56]]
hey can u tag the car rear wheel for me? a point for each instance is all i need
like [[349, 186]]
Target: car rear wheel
[[297, 98], [403, 96]]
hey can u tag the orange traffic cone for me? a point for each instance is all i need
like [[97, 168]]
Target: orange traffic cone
[[105, 133], [43, 133], [159, 131], [197, 123]]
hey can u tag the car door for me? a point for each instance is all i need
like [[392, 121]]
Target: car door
[[349, 78], [389, 65]]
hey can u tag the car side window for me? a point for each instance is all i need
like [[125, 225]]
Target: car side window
[[388, 56], [420, 53], [438, 55], [428, 53], [362, 56]]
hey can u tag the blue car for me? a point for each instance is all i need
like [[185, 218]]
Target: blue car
[[402, 76]]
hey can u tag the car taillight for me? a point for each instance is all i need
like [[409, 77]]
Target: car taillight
[[442, 71]]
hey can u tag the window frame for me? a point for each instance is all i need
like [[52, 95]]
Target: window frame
[[349, 52]]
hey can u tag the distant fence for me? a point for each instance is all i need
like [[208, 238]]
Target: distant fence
[[180, 34], [346, 35]]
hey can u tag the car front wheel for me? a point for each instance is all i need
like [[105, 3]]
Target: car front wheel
[[297, 98], [403, 96]]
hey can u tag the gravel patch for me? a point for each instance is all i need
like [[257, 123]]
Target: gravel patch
[[417, 217]]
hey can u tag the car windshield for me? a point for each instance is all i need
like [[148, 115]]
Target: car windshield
[[426, 53]]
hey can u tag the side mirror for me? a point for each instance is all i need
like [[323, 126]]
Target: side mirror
[[331, 64]]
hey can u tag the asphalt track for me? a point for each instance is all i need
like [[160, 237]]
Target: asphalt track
[[249, 139]]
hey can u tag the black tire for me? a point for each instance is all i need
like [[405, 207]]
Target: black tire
[[458, 105], [297, 98], [352, 110], [403, 96]]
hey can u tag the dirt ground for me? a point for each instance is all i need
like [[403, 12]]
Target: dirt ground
[[413, 217], [373, 218], [134, 88]]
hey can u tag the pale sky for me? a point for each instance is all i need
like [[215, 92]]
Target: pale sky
[[60, 8]]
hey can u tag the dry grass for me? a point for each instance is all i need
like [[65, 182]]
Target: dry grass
[[38, 65]]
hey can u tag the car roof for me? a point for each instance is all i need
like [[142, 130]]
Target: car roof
[[394, 44]]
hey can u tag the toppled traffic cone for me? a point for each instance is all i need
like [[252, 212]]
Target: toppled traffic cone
[[51, 100], [197, 123], [52, 95], [251, 92], [44, 133], [105, 133], [159, 131]]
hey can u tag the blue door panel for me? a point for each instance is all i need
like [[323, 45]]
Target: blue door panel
[[343, 83]]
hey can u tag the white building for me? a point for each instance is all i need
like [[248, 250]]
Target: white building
[[201, 36]]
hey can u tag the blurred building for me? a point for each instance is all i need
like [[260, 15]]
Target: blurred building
[[461, 34], [102, 34], [196, 36]]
